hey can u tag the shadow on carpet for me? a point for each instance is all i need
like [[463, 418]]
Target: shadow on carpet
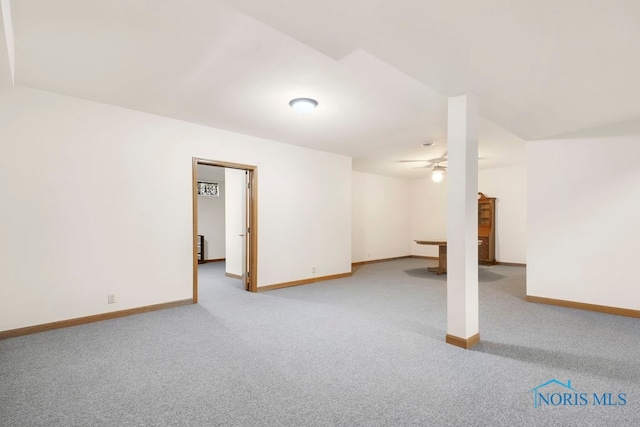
[[598, 366], [484, 275]]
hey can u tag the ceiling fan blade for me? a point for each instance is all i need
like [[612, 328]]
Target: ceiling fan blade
[[430, 162]]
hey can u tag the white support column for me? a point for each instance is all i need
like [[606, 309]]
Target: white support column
[[462, 221]]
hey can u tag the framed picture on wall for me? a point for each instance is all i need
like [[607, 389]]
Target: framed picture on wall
[[208, 189]]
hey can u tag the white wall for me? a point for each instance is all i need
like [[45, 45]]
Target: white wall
[[236, 220], [211, 217], [583, 210], [97, 199], [508, 185], [7, 44], [381, 212], [428, 215]]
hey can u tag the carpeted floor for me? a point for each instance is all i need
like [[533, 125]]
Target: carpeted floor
[[367, 350]]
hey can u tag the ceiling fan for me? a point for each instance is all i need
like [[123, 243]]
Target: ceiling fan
[[435, 165]]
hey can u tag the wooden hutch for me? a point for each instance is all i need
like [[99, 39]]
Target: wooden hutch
[[486, 229]]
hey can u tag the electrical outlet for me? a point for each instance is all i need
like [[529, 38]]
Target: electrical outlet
[[111, 299], [313, 270]]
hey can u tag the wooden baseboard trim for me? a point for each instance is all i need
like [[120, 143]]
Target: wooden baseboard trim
[[511, 264], [373, 261], [214, 260], [233, 276], [465, 343], [12, 333], [303, 282], [359, 263], [584, 306]]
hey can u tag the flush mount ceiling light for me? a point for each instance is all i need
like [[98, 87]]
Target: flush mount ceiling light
[[437, 173], [303, 105], [428, 143]]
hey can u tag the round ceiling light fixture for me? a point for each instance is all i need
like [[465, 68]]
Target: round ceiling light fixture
[[303, 105], [428, 143]]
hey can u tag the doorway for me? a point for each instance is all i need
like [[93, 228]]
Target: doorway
[[248, 235]]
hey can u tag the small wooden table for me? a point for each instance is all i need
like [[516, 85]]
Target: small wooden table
[[442, 255]]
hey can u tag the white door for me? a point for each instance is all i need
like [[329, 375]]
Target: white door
[[236, 223]]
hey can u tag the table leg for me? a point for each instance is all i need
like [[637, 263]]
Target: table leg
[[442, 261]]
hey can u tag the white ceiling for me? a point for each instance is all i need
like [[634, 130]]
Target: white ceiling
[[381, 70]]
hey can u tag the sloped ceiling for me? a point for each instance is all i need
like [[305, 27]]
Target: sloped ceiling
[[540, 67], [381, 70]]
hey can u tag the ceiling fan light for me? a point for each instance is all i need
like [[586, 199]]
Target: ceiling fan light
[[303, 105], [437, 173]]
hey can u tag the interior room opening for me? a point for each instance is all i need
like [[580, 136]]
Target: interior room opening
[[222, 214]]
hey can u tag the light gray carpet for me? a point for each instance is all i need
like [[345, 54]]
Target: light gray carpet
[[366, 350]]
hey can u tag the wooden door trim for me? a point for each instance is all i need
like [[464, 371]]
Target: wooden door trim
[[252, 209]]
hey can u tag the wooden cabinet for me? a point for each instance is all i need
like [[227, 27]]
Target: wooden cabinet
[[200, 249], [486, 229]]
